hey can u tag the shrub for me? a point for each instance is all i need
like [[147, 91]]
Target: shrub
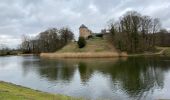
[[81, 42], [99, 35], [89, 37]]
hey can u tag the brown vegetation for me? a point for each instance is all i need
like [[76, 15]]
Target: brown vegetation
[[95, 48], [48, 41], [135, 33], [84, 55], [92, 45]]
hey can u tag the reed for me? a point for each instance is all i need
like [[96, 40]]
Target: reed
[[84, 55]]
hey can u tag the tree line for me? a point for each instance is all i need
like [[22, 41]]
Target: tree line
[[163, 38], [132, 32], [47, 41], [5, 50], [136, 33]]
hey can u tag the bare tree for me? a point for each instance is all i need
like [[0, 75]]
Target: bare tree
[[66, 35], [25, 45], [47, 41], [135, 33], [155, 29]]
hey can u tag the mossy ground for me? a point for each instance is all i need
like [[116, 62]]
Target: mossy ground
[[10, 91]]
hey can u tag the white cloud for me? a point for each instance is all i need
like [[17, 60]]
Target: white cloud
[[9, 41]]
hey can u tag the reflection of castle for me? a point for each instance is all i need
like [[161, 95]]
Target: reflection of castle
[[86, 33]]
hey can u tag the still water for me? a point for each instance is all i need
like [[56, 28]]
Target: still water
[[111, 79]]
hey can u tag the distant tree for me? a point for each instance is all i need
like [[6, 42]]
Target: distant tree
[[4, 50], [48, 41], [163, 38], [155, 29], [81, 42], [25, 45], [112, 29], [135, 33], [66, 35], [97, 35]]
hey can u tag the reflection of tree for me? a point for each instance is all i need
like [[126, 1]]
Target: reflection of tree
[[135, 75], [51, 69], [57, 70], [29, 64], [85, 73]]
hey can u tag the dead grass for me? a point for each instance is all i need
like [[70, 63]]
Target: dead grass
[[95, 48], [93, 45], [84, 55], [166, 52]]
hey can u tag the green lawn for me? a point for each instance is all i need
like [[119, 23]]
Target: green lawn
[[10, 91]]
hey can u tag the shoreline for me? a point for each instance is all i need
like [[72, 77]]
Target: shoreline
[[162, 52], [10, 91], [27, 54], [19, 55], [95, 55], [83, 55]]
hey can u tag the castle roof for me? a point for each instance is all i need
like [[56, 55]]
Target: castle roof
[[83, 26]]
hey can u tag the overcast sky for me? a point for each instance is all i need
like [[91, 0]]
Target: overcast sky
[[18, 17]]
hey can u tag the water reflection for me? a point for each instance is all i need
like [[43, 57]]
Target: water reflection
[[136, 75], [52, 70], [133, 78]]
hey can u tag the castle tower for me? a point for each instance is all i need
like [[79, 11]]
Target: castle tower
[[84, 31]]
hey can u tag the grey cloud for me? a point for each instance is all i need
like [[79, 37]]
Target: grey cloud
[[19, 17]]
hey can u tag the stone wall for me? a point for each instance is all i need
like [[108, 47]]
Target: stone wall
[[84, 32]]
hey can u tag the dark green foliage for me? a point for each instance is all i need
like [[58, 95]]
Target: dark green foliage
[[89, 37], [81, 42], [99, 35]]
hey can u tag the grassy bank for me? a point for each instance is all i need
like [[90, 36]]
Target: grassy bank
[[166, 52], [10, 91], [160, 51]]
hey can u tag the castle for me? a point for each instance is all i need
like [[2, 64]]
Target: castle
[[86, 33]]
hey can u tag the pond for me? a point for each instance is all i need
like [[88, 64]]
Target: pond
[[126, 78]]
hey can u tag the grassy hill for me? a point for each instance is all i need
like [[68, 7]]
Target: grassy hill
[[92, 45], [95, 48], [99, 48]]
